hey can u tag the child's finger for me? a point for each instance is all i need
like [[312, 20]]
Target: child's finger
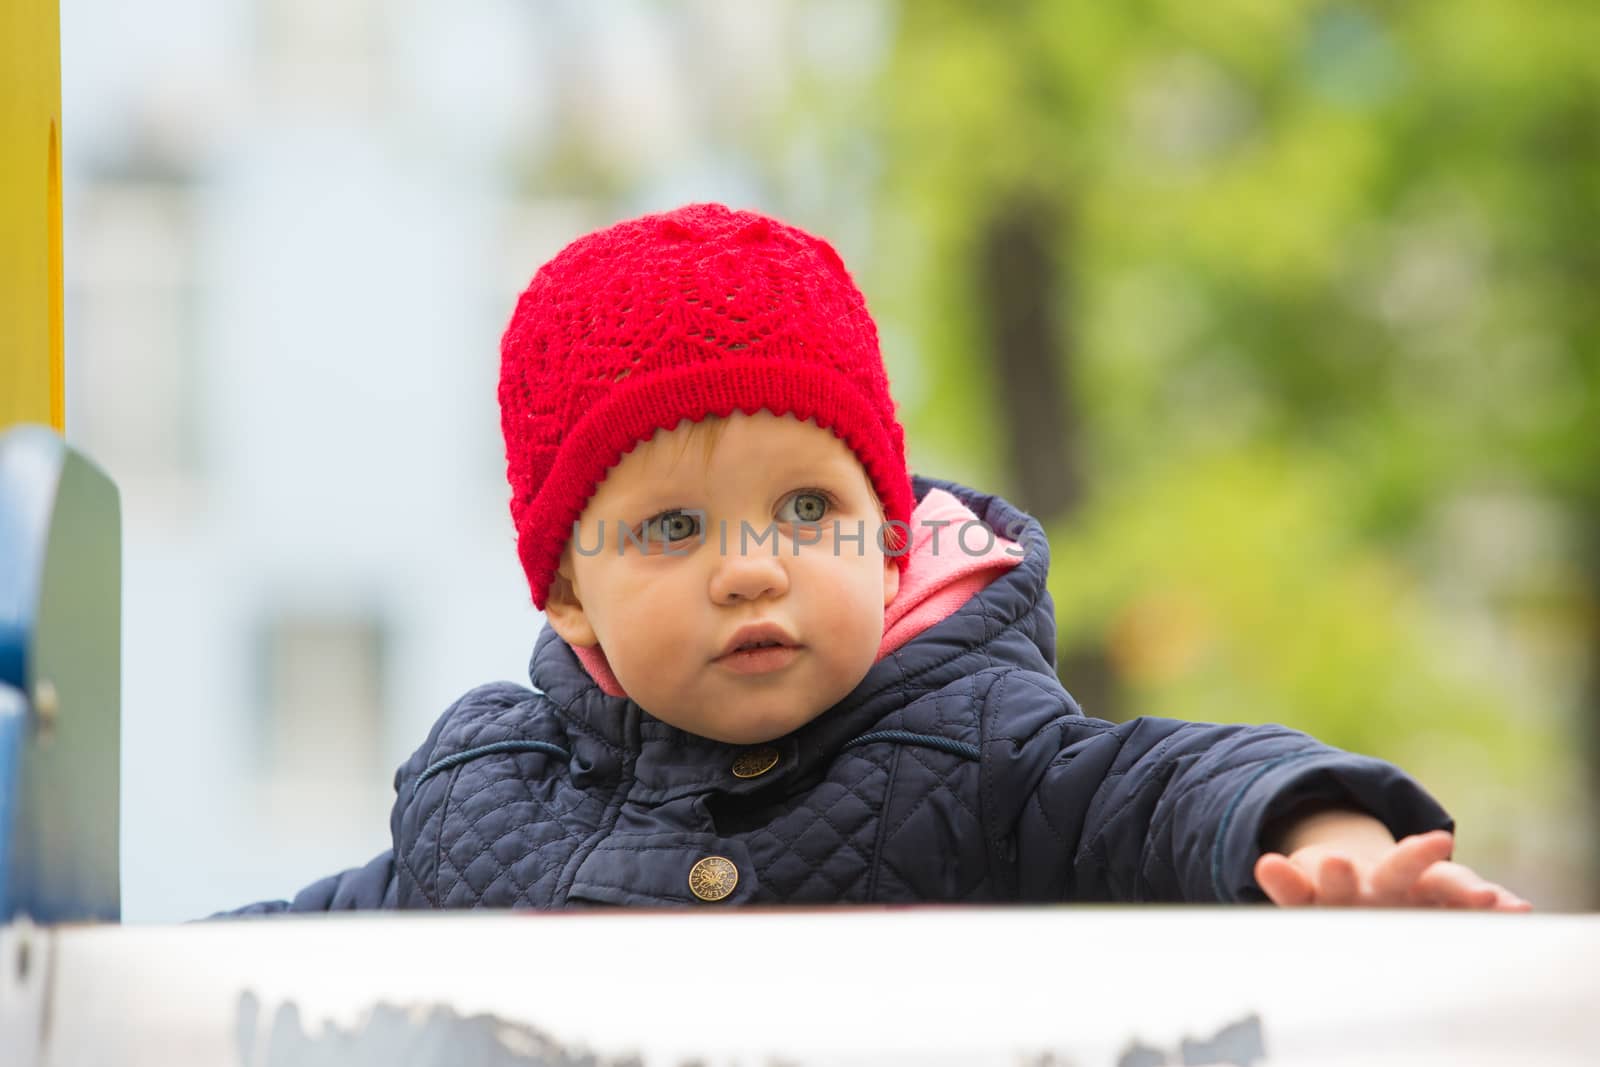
[[1450, 885], [1337, 882], [1399, 871], [1437, 887], [1429, 892], [1285, 884], [1506, 900]]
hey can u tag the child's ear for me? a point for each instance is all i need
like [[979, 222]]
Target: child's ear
[[891, 579], [565, 612]]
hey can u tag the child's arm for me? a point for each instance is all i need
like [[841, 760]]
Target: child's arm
[[1160, 809], [359, 888], [1340, 857]]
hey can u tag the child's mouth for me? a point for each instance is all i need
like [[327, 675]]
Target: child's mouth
[[759, 659]]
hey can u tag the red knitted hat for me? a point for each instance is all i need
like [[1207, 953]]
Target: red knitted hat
[[696, 312]]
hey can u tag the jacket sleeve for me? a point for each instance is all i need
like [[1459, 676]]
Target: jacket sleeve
[[1164, 810], [377, 885], [360, 888]]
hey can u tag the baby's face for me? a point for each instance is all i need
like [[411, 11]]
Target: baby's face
[[667, 613]]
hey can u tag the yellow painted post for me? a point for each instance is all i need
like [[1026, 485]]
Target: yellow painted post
[[32, 386]]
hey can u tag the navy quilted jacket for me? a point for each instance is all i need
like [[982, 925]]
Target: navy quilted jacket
[[958, 770]]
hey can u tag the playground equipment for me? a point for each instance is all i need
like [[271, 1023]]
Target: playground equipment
[[60, 665], [1025, 987], [60, 554], [31, 350]]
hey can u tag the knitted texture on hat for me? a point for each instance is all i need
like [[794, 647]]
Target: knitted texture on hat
[[696, 312]]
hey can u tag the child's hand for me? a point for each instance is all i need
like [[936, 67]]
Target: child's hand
[[1414, 872]]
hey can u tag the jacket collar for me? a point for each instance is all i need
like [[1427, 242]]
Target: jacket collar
[[670, 762]]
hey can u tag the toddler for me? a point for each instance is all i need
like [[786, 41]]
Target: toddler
[[779, 669]]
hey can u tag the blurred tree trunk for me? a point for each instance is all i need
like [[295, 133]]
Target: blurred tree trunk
[[1566, 144], [1032, 352], [1589, 721], [1027, 307]]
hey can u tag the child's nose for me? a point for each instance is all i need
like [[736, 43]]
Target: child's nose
[[748, 576]]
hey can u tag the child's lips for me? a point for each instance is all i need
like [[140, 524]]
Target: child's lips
[[754, 634], [759, 660]]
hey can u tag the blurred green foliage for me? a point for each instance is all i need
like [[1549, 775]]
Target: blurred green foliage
[[1327, 309]]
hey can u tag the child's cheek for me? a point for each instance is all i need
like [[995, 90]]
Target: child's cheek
[[649, 628]]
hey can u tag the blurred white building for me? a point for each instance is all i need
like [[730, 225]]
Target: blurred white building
[[294, 232]]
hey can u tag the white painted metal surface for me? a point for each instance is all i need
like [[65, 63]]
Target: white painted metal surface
[[1089, 987]]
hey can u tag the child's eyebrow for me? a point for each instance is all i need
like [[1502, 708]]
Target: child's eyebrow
[[783, 466]]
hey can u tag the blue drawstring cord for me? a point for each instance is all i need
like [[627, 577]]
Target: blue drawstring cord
[[906, 737], [489, 750]]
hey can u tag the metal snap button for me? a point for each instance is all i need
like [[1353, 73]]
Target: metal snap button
[[713, 878], [754, 762]]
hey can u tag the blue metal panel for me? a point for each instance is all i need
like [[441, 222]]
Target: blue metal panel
[[60, 681], [13, 739]]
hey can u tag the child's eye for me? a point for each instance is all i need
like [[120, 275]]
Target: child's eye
[[671, 526], [807, 505]]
